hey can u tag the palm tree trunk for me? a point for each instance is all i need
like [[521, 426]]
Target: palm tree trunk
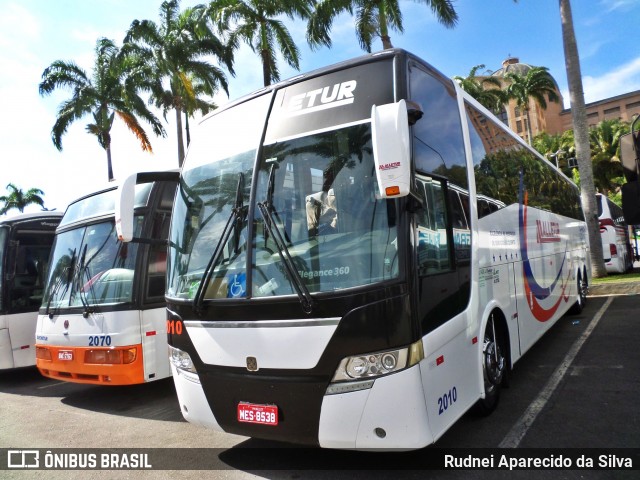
[[180, 140], [186, 128], [581, 133], [384, 29], [109, 165], [529, 131], [266, 68]]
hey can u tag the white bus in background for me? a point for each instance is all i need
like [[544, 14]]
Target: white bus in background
[[102, 319], [618, 255], [25, 245], [334, 277]]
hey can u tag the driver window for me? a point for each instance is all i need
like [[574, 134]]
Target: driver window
[[434, 249]]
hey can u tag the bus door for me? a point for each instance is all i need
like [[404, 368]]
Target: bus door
[[28, 258], [153, 316], [443, 257]]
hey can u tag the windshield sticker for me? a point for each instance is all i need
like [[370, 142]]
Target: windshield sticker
[[331, 272], [237, 285]]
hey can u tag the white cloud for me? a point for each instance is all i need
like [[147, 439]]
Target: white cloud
[[611, 5], [17, 22], [623, 79]]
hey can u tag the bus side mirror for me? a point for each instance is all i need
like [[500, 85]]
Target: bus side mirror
[[124, 208], [391, 149], [631, 202], [629, 155], [126, 196]]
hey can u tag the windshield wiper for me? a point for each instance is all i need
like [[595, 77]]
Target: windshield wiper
[[83, 272], [274, 230], [234, 222]]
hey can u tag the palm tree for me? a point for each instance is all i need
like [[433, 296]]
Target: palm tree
[[196, 103], [486, 90], [255, 23], [111, 90], [581, 133], [605, 154], [176, 50], [535, 84], [19, 199], [373, 19]]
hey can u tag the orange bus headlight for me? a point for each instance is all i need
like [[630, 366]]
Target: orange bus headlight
[[129, 355], [110, 356], [43, 353]]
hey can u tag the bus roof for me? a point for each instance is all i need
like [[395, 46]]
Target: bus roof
[[30, 217], [361, 60]]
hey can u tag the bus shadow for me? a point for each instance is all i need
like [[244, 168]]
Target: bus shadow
[[154, 401], [276, 460], [22, 381]]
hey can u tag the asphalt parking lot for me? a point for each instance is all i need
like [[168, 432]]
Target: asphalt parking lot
[[578, 388]]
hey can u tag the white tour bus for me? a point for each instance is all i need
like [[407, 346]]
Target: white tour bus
[[618, 256], [102, 319], [359, 255], [25, 245]]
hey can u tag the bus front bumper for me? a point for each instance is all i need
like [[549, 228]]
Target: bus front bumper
[[93, 365], [391, 415]]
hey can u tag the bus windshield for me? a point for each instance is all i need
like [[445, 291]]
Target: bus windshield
[[90, 267], [318, 194]]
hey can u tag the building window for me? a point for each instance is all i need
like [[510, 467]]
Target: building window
[[629, 106], [519, 126], [517, 111], [592, 115], [613, 110]]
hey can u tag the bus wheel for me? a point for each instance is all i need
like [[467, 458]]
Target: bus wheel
[[583, 288], [494, 365]]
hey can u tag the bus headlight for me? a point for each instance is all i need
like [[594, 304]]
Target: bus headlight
[[183, 363], [353, 370]]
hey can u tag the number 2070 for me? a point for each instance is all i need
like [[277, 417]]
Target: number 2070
[[99, 340]]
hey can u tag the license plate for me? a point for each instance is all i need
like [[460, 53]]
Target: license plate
[[261, 414], [65, 355]]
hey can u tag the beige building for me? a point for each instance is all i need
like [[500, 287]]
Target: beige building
[[556, 119], [541, 120], [623, 107]]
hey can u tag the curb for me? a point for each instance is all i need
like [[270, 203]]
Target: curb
[[622, 288]]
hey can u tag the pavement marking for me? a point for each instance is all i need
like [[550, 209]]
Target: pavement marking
[[520, 428], [52, 385]]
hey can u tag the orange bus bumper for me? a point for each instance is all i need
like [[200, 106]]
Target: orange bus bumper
[[99, 366]]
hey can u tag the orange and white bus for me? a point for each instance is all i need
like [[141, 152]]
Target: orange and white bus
[[25, 245], [102, 319]]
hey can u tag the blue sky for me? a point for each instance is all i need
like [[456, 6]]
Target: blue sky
[[34, 33]]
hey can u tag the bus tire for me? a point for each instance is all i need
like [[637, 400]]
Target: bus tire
[[583, 288], [494, 366]]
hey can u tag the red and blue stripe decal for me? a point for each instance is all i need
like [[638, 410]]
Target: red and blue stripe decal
[[534, 292]]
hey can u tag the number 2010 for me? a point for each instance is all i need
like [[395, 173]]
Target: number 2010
[[446, 400]]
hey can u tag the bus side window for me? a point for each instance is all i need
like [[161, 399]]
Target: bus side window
[[461, 231], [483, 208], [433, 241], [157, 268]]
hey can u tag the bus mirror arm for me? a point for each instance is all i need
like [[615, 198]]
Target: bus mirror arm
[[125, 199], [149, 241], [414, 202]]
